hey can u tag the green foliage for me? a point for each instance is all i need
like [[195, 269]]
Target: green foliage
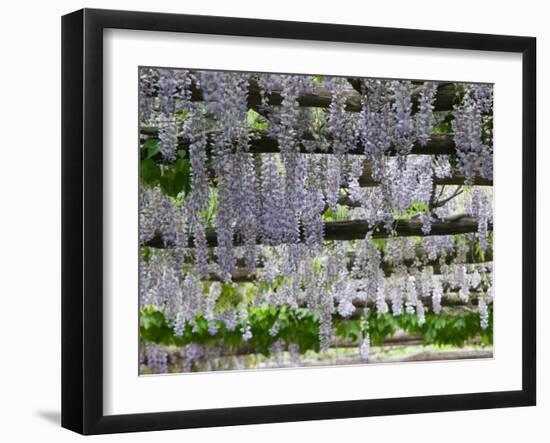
[[173, 179], [478, 253], [438, 329], [229, 297], [153, 327], [295, 326], [255, 120], [380, 243], [350, 329], [150, 148], [301, 326], [177, 178], [150, 172], [417, 207], [209, 215], [486, 128], [414, 209], [341, 214], [444, 126]]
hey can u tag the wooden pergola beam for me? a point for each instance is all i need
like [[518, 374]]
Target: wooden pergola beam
[[439, 144], [320, 97], [242, 274], [367, 181], [358, 229]]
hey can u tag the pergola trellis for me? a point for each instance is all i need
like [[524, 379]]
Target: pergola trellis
[[320, 97]]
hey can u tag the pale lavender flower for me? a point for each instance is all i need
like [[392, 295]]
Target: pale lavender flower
[[364, 348], [483, 313], [402, 107], [156, 359], [424, 118]]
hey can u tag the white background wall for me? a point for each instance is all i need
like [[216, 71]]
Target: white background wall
[[30, 218]]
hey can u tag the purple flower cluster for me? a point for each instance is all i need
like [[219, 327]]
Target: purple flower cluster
[[168, 136], [473, 155], [364, 348], [160, 214], [479, 205], [273, 229], [341, 123], [376, 122], [403, 122], [156, 359], [424, 118], [148, 81], [483, 313]]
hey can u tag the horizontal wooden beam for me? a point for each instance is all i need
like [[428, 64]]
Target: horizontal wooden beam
[[439, 144], [390, 341], [222, 352], [459, 354], [242, 274], [358, 229], [448, 300], [367, 181], [421, 260], [320, 97]]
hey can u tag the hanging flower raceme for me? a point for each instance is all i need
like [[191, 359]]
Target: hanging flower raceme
[[273, 230], [375, 126], [424, 118], [246, 203], [225, 98], [479, 205], [161, 215], [473, 155], [148, 80], [313, 206], [341, 123], [168, 136], [404, 125]]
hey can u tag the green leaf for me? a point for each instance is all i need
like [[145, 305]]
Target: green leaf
[[166, 185], [151, 146], [150, 172], [177, 179], [301, 326]]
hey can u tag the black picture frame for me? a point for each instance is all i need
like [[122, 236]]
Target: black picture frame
[[82, 218]]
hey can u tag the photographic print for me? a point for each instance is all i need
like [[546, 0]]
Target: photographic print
[[290, 220]]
